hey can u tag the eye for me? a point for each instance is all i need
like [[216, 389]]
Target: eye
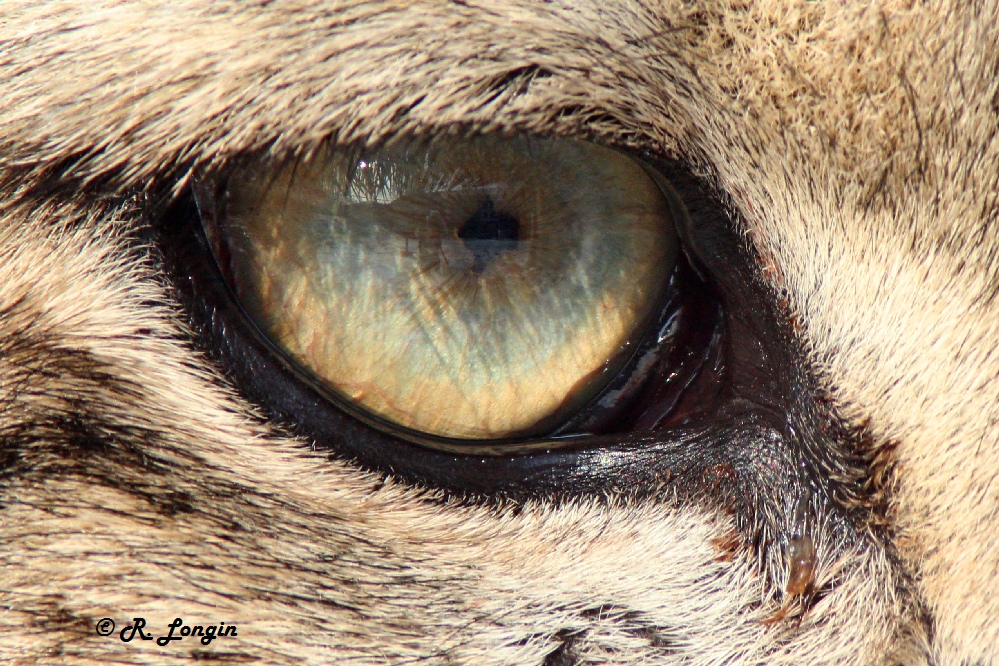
[[517, 319], [492, 316], [483, 289]]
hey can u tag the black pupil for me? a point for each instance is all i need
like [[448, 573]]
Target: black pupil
[[488, 233]]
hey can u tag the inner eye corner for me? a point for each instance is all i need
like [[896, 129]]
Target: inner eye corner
[[455, 299]]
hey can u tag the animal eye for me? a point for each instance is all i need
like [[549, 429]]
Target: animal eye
[[480, 289]]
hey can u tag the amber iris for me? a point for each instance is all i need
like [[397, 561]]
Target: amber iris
[[472, 289]]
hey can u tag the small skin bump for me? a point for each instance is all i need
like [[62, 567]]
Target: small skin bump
[[801, 562], [800, 553]]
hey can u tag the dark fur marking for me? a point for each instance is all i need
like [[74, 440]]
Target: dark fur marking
[[516, 82], [219, 657], [564, 654]]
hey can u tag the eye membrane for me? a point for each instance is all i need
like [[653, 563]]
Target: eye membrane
[[480, 289]]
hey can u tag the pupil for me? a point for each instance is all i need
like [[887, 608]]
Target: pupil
[[488, 233]]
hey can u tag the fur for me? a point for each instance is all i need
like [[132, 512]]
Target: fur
[[858, 145]]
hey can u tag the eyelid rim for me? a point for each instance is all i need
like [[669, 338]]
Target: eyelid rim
[[685, 225]]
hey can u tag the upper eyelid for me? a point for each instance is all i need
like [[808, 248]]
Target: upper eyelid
[[202, 64]]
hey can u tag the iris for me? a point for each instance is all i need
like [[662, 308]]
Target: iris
[[472, 289]]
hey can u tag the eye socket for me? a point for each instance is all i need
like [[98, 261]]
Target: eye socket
[[704, 396], [472, 290]]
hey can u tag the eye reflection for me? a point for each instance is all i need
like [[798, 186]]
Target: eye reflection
[[475, 289]]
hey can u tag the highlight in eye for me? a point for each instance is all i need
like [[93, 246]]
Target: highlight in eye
[[474, 289]]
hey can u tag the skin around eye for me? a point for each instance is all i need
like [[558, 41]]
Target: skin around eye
[[476, 289]]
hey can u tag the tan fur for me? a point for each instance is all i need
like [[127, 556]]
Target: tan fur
[[858, 142]]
